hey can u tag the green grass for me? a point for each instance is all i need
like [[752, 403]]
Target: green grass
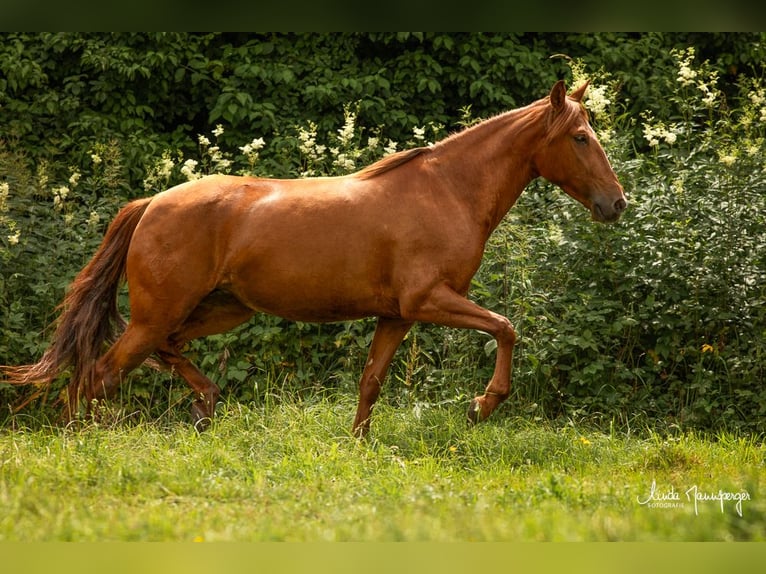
[[291, 471]]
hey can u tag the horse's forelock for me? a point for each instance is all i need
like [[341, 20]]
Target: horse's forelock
[[560, 120]]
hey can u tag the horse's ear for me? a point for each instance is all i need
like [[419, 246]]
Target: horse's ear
[[578, 94], [558, 95]]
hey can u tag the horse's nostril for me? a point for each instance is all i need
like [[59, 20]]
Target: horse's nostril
[[620, 205]]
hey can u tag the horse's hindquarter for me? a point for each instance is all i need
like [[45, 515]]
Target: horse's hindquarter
[[177, 248]]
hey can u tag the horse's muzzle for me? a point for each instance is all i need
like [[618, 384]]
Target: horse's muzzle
[[608, 212]]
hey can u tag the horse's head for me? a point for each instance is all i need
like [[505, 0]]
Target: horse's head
[[572, 158]]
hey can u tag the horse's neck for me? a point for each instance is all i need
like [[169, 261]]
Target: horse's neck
[[490, 164]]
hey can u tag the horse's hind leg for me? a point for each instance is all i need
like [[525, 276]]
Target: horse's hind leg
[[131, 349], [217, 313], [206, 392]]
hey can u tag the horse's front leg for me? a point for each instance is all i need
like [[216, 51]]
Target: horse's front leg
[[446, 307], [388, 336]]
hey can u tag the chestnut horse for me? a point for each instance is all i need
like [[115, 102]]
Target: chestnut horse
[[399, 240]]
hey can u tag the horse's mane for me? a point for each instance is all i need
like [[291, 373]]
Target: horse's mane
[[556, 124], [390, 162]]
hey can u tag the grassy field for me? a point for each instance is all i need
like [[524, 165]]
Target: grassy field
[[291, 472]]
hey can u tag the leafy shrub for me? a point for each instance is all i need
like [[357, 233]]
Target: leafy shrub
[[658, 317], [661, 314]]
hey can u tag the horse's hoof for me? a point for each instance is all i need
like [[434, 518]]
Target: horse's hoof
[[202, 425], [200, 419], [474, 412]]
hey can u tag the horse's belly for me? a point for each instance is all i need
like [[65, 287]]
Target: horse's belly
[[314, 292]]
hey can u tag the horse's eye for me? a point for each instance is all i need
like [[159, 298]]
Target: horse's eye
[[581, 139]]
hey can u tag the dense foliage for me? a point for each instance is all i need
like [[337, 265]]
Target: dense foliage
[[660, 316]]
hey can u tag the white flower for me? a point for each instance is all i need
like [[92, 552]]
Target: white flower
[[344, 162], [390, 147], [253, 146], [307, 138], [650, 135], [203, 141], [347, 131], [222, 165], [758, 97], [372, 142], [686, 74], [95, 158], [74, 178], [218, 131], [419, 133], [165, 167], [4, 191], [605, 136], [597, 101], [93, 219], [308, 135], [13, 239], [654, 133], [59, 195], [188, 169], [727, 159], [710, 94]]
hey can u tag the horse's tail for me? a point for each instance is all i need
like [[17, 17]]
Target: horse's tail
[[89, 316]]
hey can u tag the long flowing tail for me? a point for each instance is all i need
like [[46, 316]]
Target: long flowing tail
[[89, 317]]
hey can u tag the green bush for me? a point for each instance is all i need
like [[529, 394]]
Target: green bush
[[658, 317], [662, 314], [63, 93]]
